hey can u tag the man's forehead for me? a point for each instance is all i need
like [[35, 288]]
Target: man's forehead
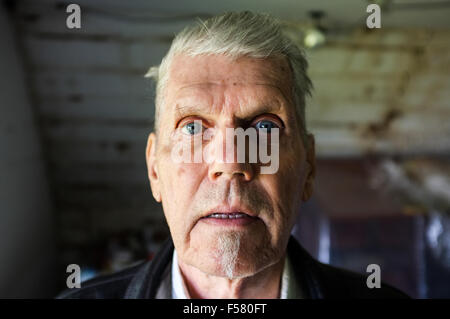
[[203, 71], [244, 105]]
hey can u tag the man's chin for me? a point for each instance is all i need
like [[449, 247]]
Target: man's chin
[[240, 269], [228, 254]]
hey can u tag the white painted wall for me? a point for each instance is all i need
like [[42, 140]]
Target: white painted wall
[[26, 222]]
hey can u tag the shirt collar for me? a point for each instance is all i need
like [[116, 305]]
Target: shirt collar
[[179, 290]]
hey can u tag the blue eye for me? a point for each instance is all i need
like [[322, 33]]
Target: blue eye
[[266, 126], [192, 128]]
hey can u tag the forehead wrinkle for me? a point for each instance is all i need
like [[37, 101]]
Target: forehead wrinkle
[[243, 105], [288, 98]]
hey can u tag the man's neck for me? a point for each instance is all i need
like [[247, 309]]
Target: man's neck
[[264, 284]]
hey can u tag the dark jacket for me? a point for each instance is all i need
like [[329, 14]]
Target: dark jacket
[[151, 279]]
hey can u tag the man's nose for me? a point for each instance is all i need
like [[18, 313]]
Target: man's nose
[[224, 161], [243, 171]]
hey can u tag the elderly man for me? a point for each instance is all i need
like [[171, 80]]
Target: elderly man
[[230, 220]]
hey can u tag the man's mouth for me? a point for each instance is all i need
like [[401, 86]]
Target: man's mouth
[[225, 219], [228, 215]]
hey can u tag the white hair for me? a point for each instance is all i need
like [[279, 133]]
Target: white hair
[[228, 244], [237, 34]]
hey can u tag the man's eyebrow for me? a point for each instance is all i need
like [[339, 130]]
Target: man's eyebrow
[[266, 108], [250, 112]]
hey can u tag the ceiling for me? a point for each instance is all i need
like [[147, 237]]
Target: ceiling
[[395, 13]]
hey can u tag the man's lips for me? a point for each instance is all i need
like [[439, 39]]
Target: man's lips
[[225, 215], [229, 219], [233, 215], [231, 212]]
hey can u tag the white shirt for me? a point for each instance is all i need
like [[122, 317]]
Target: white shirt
[[289, 286]]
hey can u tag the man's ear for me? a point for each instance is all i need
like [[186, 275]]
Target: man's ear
[[153, 176], [311, 167]]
